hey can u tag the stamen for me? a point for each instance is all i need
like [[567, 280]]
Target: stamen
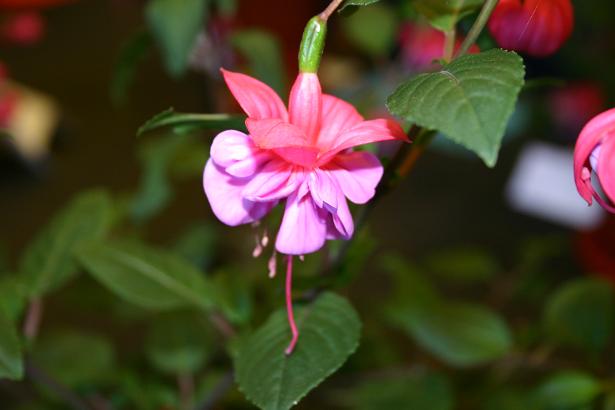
[[272, 264], [258, 248], [265, 239], [289, 307]]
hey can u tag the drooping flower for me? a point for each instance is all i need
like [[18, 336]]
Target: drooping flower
[[536, 27], [595, 151], [422, 45], [302, 155]]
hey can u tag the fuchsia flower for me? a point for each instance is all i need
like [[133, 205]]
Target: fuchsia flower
[[536, 27], [595, 151], [302, 155]]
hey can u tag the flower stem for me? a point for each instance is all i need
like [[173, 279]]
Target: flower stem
[[330, 9], [289, 306], [449, 45], [477, 27]]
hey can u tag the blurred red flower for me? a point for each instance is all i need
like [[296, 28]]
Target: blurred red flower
[[535, 27], [596, 250], [25, 28], [575, 104], [422, 44]]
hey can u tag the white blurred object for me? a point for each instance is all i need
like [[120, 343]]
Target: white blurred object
[[32, 123], [542, 185]]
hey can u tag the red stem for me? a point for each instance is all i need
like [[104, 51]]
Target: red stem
[[289, 306]]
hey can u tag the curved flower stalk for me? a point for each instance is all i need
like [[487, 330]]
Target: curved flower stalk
[[536, 27], [595, 151]]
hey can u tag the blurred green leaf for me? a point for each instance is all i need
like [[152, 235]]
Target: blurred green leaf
[[146, 276], [226, 7], [264, 55], [197, 244], [131, 54], [175, 25], [11, 361], [329, 333], [459, 333], [566, 391], [445, 14], [13, 296], [507, 398], [146, 393], [353, 4], [470, 100], [75, 358], [178, 344], [48, 261], [234, 296], [155, 189], [170, 118], [372, 29], [466, 264], [581, 313], [414, 391]]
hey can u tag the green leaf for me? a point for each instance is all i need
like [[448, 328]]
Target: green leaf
[[175, 25], [470, 100], [329, 333], [131, 54], [467, 264], [415, 391], [566, 390], [264, 55], [178, 344], [581, 314], [75, 358], [155, 190], [460, 334], [184, 121], [13, 297], [48, 261], [372, 29], [350, 6], [11, 361], [197, 244], [445, 14], [148, 277]]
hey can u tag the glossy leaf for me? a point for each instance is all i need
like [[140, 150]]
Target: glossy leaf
[[75, 358], [582, 313], [272, 380], [445, 14], [175, 25], [48, 261], [469, 100], [149, 277], [11, 361], [566, 390], [264, 56], [185, 121]]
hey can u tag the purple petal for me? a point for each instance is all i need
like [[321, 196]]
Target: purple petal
[[342, 219], [231, 146], [357, 174], [303, 229], [224, 194], [324, 189], [274, 181]]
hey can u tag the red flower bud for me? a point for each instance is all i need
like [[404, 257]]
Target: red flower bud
[[536, 27]]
